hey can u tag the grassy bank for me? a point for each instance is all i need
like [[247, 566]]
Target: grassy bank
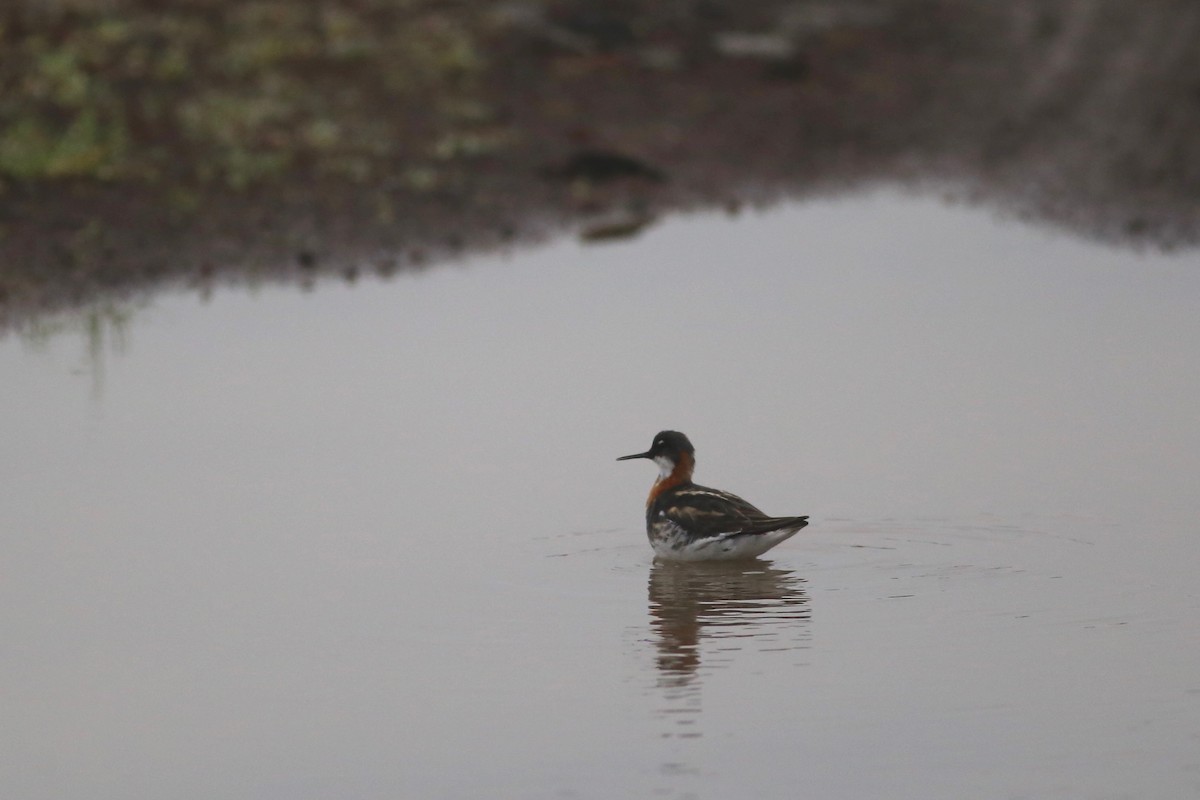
[[235, 94]]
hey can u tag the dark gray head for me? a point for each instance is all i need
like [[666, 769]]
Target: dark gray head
[[669, 446]]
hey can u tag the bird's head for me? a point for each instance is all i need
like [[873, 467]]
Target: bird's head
[[668, 449]]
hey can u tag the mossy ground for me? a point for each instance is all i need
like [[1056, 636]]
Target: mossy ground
[[237, 93]]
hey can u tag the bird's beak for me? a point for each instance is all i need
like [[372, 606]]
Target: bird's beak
[[636, 455]]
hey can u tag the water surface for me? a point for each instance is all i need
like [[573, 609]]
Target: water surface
[[371, 541]]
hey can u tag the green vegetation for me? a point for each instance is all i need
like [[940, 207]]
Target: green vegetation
[[235, 95]]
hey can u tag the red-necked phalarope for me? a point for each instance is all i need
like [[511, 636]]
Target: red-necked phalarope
[[686, 522]]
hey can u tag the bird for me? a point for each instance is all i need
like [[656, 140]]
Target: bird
[[688, 522]]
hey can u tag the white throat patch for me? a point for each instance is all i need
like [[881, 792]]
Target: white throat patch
[[665, 466]]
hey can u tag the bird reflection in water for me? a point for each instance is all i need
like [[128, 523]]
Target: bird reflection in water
[[723, 609]]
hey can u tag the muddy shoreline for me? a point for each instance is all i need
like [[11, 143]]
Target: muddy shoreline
[[377, 137]]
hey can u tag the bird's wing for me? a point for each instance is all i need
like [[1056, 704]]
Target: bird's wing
[[711, 512]]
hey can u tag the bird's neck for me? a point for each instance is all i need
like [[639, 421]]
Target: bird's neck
[[671, 474]]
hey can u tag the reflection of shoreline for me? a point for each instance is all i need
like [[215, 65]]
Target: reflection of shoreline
[[752, 604]]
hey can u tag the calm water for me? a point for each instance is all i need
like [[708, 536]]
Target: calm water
[[371, 541]]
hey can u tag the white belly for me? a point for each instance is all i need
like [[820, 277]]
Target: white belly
[[672, 543]]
